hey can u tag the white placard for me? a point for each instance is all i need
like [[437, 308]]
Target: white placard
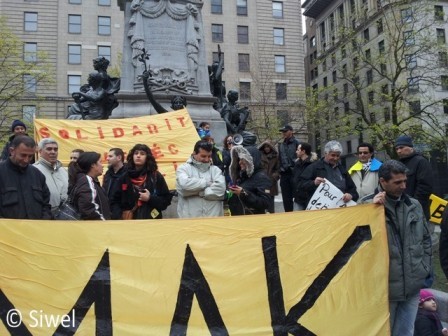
[[327, 196]]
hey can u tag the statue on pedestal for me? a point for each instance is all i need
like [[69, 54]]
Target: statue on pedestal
[[96, 100], [217, 89], [234, 115]]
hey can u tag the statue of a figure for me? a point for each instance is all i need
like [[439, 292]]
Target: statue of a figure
[[84, 108], [234, 116], [91, 103], [177, 102], [217, 89]]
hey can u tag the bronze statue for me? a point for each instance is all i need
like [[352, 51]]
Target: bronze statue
[[177, 102], [234, 116], [217, 88], [96, 100]]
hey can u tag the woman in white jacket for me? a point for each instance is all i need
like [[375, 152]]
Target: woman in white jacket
[[200, 185]]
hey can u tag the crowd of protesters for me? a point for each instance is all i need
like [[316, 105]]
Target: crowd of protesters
[[244, 178]]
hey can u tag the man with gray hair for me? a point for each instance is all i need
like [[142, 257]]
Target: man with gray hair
[[409, 245], [328, 168], [56, 176]]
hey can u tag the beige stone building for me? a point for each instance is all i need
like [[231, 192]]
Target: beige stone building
[[261, 40]]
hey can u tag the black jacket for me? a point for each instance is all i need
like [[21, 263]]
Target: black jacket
[[23, 192], [419, 183], [317, 169], [302, 196], [287, 154], [90, 199], [110, 181], [126, 197], [443, 243], [427, 324]]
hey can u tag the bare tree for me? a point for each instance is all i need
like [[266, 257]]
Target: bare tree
[[386, 69]]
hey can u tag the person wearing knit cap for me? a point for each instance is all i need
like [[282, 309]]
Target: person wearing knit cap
[[419, 183], [427, 322], [17, 127]]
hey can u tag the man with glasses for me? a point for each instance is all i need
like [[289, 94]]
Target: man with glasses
[[328, 168], [56, 176], [364, 172]]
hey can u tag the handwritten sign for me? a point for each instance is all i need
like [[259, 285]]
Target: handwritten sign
[[327, 196]]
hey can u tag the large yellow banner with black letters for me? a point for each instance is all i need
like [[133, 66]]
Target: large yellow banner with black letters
[[170, 136], [318, 273]]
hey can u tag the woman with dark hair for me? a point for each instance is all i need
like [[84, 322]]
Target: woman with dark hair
[[143, 192], [88, 196]]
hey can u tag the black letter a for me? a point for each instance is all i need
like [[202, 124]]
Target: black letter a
[[193, 282], [96, 291]]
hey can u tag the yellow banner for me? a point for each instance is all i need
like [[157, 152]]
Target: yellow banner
[[171, 137], [436, 208], [321, 273]]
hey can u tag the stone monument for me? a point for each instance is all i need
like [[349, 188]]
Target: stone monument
[[172, 33]]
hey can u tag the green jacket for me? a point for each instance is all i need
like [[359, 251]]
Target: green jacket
[[410, 251]]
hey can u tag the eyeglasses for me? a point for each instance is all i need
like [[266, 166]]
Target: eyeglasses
[[365, 153]]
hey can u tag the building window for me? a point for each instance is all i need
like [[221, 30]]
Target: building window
[[368, 55], [386, 112], [440, 36], [443, 59], [103, 25], [279, 36], [104, 51], [372, 114], [215, 57], [243, 34], [438, 13], [343, 52], [216, 6], [243, 62], [245, 90], [445, 106], [28, 113], [75, 2], [335, 94], [74, 54], [74, 24], [385, 89], [379, 26], [408, 37], [371, 97], [241, 7], [104, 2], [325, 81], [74, 83], [414, 107], [334, 76], [411, 61], [444, 82], [369, 75], [383, 68], [355, 63], [29, 83], [366, 35], [280, 91], [345, 89], [30, 21], [217, 33], [333, 59], [280, 63], [406, 15], [412, 84], [30, 52], [313, 42], [346, 108], [381, 47], [277, 9]]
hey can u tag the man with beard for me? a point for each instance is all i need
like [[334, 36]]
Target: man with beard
[[23, 191], [201, 186]]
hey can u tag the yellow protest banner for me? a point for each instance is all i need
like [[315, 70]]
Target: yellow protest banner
[[436, 208], [321, 273], [171, 137]]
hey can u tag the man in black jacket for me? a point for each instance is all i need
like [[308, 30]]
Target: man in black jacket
[[23, 191], [115, 160], [287, 156], [419, 184], [328, 168]]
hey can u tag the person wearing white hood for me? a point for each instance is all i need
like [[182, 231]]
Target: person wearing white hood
[[200, 185]]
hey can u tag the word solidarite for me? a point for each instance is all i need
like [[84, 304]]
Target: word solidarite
[[194, 283], [115, 132]]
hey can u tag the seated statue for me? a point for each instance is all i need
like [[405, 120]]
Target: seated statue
[[234, 116], [90, 104]]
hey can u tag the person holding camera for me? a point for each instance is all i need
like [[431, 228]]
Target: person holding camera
[[287, 156], [142, 190]]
